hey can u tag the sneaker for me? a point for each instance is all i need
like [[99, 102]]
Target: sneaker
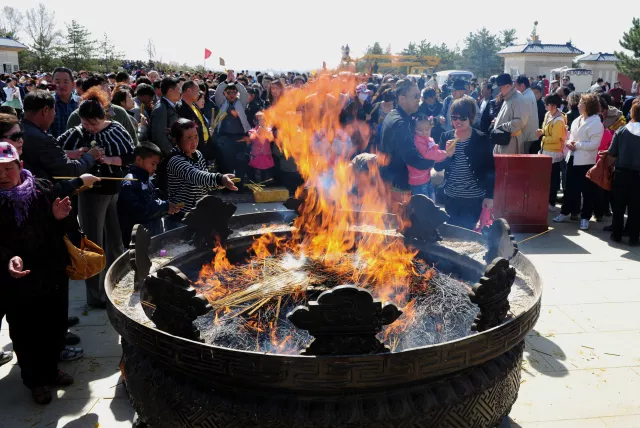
[[42, 394], [71, 354], [561, 218], [63, 379], [552, 208], [5, 357], [71, 339], [584, 224]]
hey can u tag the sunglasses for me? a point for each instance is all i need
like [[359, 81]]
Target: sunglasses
[[460, 118], [15, 136]]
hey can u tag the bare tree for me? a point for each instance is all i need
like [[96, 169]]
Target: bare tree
[[150, 48], [111, 57], [11, 20], [44, 37]]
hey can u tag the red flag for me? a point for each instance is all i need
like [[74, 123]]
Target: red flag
[[207, 53]]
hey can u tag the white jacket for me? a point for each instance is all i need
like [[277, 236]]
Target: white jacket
[[587, 134]]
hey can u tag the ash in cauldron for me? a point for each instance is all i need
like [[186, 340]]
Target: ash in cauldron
[[194, 359]]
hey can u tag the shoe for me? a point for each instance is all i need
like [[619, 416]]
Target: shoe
[[63, 379], [71, 321], [71, 339], [552, 208], [609, 229], [42, 394], [584, 224], [561, 218], [575, 217], [71, 354], [5, 357]]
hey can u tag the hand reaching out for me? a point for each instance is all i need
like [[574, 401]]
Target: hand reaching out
[[61, 208], [16, 268], [228, 183]]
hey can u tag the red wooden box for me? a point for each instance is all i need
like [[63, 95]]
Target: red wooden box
[[522, 191]]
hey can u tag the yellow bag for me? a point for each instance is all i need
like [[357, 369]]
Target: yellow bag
[[86, 261]]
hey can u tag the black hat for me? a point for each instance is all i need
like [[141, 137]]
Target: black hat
[[459, 85], [504, 79]]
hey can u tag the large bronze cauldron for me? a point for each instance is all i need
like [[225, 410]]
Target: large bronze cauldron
[[470, 382]]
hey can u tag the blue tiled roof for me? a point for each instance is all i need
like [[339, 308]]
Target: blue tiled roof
[[10, 43], [600, 57], [534, 48]]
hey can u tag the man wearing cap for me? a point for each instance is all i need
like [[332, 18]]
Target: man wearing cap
[[358, 108], [512, 117], [459, 88], [531, 115]]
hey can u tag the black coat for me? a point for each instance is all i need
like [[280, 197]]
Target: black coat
[[490, 112], [479, 152], [396, 141], [185, 111], [38, 240]]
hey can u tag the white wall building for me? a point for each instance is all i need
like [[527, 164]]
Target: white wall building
[[9, 49], [535, 58], [602, 64]]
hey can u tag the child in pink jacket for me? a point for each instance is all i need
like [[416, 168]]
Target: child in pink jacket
[[420, 179], [261, 163]]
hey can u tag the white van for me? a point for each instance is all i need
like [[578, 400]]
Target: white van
[[448, 76]]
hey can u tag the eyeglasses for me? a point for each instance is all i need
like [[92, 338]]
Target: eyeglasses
[[16, 136], [460, 118]]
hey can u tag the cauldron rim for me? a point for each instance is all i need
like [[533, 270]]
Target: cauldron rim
[[419, 362]]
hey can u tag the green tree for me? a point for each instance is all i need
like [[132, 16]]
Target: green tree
[[376, 49], [507, 37], [11, 20], [110, 57], [479, 53], [630, 64], [44, 38], [79, 47]]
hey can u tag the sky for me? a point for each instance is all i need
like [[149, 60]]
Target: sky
[[259, 35]]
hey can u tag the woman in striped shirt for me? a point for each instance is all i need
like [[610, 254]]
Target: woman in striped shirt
[[188, 178], [469, 167], [98, 205]]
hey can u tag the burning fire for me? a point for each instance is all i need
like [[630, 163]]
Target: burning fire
[[308, 131]]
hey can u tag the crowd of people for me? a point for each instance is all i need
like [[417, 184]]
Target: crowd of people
[[101, 153]]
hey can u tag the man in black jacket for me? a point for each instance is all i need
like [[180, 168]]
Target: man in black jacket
[[164, 114], [397, 140], [187, 109], [41, 154]]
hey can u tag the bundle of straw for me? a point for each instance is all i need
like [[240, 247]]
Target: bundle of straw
[[257, 187]]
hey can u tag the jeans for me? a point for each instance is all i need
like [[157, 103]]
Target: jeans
[[626, 198], [579, 185], [424, 189], [463, 212], [99, 221], [234, 157]]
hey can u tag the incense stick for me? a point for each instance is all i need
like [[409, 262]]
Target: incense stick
[[101, 178]]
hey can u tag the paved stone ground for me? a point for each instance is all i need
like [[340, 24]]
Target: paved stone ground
[[582, 366]]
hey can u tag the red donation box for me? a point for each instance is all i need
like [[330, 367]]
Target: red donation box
[[522, 191]]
